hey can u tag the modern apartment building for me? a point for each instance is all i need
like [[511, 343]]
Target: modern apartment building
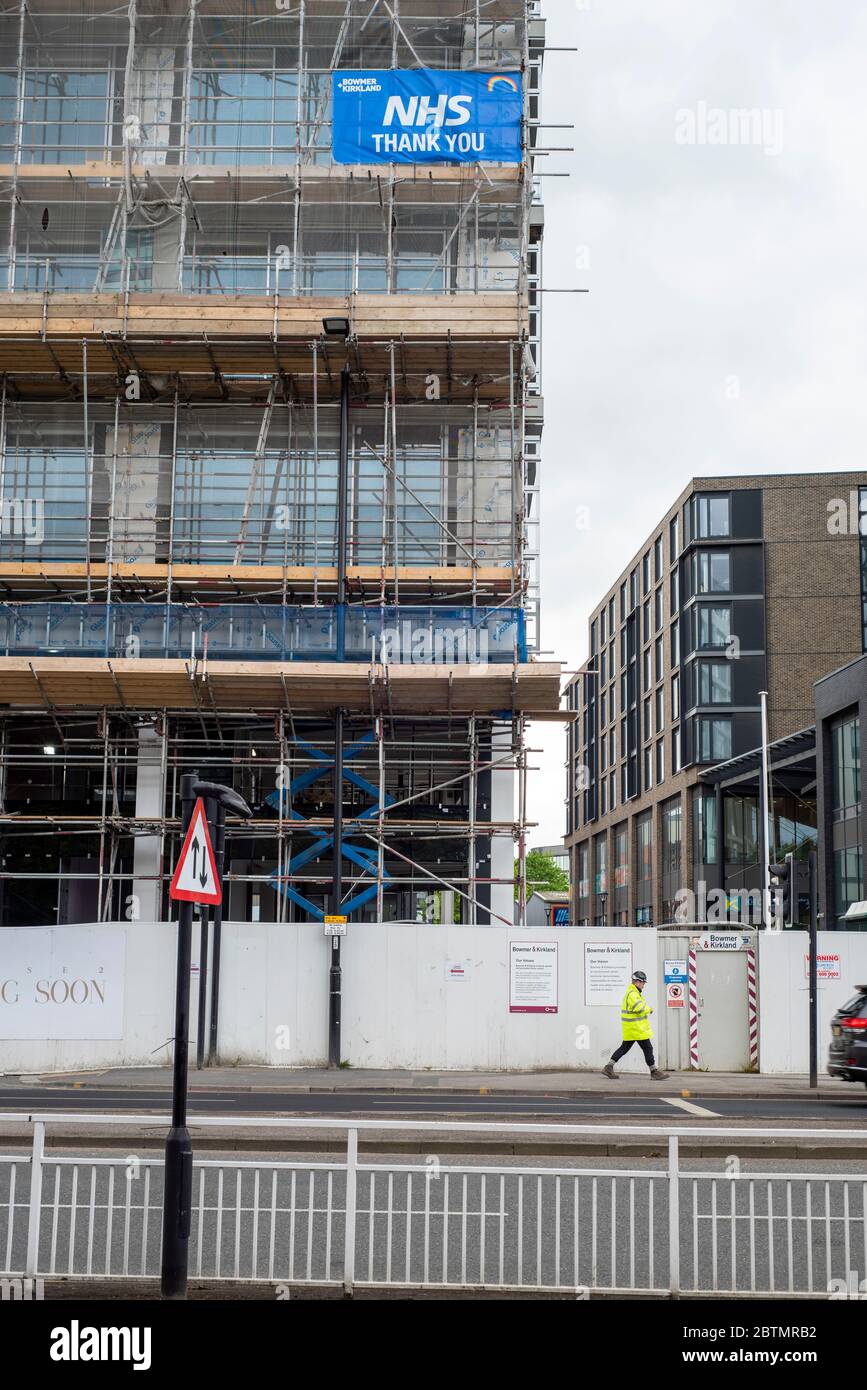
[[746, 584], [270, 431]]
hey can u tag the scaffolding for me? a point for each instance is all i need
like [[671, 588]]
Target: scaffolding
[[173, 236]]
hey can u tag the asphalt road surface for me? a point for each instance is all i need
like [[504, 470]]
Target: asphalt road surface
[[849, 1108]]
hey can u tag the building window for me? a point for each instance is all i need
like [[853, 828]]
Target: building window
[[712, 572], [603, 754], [603, 719], [675, 750], [621, 859], [603, 791], [603, 638], [648, 717], [648, 767], [848, 874], [714, 740], [623, 608], [611, 616], [670, 856], [715, 683], [675, 643], [657, 559], [612, 783], [624, 781], [657, 606], [660, 710], [674, 592], [583, 871], [660, 762], [645, 573], [846, 769], [648, 681], [644, 848], [612, 655], [633, 589], [714, 626], [711, 515], [594, 637], [603, 668], [601, 856], [612, 746], [612, 702], [646, 619], [673, 540], [704, 827], [675, 697], [658, 658]]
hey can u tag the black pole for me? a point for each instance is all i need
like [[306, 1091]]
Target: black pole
[[217, 918], [813, 987], [334, 974], [178, 1182], [201, 1020]]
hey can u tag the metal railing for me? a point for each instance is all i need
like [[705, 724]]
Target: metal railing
[[609, 1226]]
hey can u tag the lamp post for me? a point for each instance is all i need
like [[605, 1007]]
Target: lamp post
[[339, 328]]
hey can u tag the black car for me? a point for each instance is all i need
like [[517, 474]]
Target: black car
[[847, 1055]]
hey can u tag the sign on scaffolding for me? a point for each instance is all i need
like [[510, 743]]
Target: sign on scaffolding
[[426, 116]]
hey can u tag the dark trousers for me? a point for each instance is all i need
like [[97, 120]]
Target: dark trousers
[[646, 1046]]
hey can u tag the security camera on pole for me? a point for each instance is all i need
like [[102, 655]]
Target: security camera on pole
[[196, 880]]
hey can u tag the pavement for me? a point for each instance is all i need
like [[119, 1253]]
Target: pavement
[[307, 1080]]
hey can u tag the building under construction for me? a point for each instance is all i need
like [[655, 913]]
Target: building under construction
[[269, 450]]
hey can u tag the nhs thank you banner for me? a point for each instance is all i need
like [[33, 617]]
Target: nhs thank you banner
[[426, 116]]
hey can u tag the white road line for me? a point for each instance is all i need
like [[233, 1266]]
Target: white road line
[[690, 1109]]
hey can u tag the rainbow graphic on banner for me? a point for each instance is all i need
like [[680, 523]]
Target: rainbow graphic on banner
[[509, 82]]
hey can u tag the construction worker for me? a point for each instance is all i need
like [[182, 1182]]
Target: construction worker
[[635, 1020]]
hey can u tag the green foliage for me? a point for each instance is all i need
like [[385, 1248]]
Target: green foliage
[[543, 875]]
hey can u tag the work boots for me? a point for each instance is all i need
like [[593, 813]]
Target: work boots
[[657, 1075], [610, 1072]]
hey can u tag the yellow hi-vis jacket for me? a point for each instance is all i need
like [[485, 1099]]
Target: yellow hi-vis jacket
[[635, 1016]]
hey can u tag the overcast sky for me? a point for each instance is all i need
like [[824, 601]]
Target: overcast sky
[[724, 331]]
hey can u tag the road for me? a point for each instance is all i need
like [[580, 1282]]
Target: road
[[847, 1108]]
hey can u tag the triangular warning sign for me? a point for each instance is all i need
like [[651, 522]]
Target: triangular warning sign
[[195, 879]]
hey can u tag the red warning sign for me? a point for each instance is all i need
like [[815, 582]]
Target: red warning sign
[[674, 996], [195, 879]]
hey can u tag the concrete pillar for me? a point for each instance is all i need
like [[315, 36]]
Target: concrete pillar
[[149, 802]]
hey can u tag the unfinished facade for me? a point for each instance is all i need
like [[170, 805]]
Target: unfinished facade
[[174, 234]]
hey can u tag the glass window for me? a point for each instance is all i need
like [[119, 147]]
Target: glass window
[[657, 559], [648, 675], [715, 683], [594, 637], [624, 781], [673, 540], [658, 658], [645, 573], [602, 668], [715, 740], [660, 710], [704, 827], [583, 871], [675, 750], [713, 572], [846, 768], [603, 719], [712, 515], [644, 848], [611, 617], [675, 643], [648, 767], [657, 606], [623, 607], [648, 717], [714, 626], [671, 836], [848, 875], [603, 796], [601, 857], [602, 621], [612, 746], [660, 761], [633, 588], [646, 618], [621, 859], [675, 697], [612, 782], [674, 592]]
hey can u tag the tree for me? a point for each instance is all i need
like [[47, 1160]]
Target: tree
[[543, 874]]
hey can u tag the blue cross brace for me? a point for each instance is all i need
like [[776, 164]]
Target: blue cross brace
[[360, 855]]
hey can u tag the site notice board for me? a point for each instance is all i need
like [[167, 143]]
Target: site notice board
[[533, 977]]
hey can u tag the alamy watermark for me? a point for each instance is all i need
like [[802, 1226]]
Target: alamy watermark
[[23, 517], [761, 127], [409, 642]]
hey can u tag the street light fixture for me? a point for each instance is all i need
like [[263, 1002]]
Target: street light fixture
[[336, 326]]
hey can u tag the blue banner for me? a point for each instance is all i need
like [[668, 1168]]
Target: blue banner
[[426, 116]]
